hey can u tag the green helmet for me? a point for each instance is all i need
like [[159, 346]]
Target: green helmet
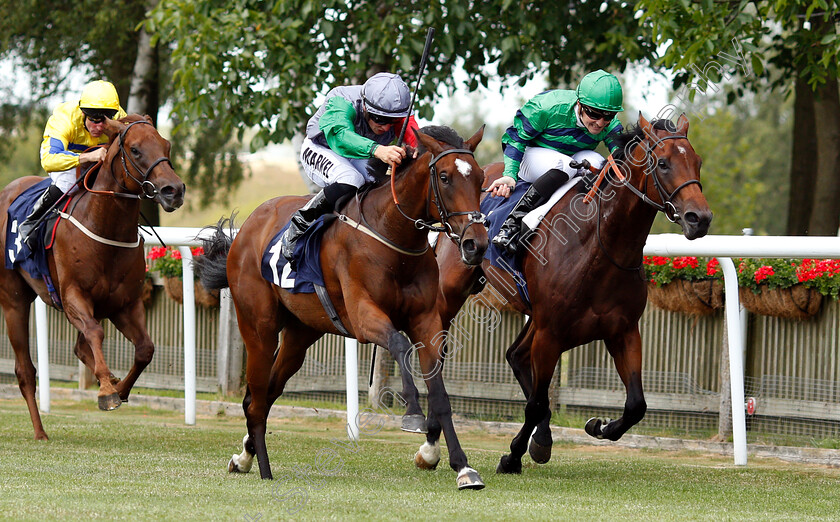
[[601, 90]]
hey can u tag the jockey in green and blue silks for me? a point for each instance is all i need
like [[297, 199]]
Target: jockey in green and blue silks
[[551, 130], [355, 123]]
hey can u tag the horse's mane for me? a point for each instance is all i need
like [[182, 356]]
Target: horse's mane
[[439, 132]]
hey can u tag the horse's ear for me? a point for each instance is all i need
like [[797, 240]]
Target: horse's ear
[[473, 142], [645, 125], [682, 125], [113, 128], [431, 144], [148, 119]]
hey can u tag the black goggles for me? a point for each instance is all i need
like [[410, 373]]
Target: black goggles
[[99, 115], [382, 120], [595, 114]]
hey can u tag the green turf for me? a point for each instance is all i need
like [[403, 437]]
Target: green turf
[[141, 464]]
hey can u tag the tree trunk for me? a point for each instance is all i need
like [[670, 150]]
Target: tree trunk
[[144, 97], [825, 218], [803, 173]]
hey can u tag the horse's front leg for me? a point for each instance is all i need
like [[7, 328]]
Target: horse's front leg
[[79, 312], [131, 322], [377, 327], [544, 353], [626, 350], [428, 331]]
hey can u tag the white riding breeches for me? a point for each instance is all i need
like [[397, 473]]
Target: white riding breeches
[[64, 179], [538, 160], [324, 167]]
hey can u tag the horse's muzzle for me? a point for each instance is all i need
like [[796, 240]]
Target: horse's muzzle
[[171, 196], [696, 223]]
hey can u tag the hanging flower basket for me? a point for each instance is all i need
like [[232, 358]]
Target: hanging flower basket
[[684, 284], [796, 302], [175, 290], [702, 297], [787, 288]]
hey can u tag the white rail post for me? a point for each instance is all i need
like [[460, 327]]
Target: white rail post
[[736, 360], [189, 335], [42, 337], [351, 364]]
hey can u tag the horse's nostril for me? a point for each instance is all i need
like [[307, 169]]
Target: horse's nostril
[[691, 218], [469, 246]]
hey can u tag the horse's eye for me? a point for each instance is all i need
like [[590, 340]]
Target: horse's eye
[[662, 164], [444, 178], [135, 152]]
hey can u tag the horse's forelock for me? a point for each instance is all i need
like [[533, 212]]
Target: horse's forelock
[[441, 133]]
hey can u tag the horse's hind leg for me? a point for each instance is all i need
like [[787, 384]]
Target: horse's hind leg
[[17, 325], [131, 322], [626, 350]]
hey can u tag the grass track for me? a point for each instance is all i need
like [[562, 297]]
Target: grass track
[[142, 464]]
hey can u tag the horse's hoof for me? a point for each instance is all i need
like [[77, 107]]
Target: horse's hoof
[[469, 478], [428, 456], [233, 467], [109, 402], [595, 427], [41, 436], [507, 464], [414, 423], [539, 453]]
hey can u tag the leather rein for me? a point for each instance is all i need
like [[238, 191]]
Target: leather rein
[[475, 217]]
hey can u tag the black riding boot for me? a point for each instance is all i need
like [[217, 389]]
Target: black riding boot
[[536, 195], [301, 221], [44, 203]]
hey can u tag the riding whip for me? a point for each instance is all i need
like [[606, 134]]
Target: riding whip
[[430, 35]]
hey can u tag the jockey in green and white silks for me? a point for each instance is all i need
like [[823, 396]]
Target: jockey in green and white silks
[[549, 131], [355, 123]]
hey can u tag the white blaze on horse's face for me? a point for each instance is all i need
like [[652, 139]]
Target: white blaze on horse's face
[[681, 149], [463, 167]]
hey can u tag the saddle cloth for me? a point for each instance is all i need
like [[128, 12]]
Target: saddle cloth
[[497, 209], [17, 252], [277, 270]]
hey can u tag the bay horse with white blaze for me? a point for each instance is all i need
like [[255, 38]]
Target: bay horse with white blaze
[[381, 282], [584, 275], [96, 262]]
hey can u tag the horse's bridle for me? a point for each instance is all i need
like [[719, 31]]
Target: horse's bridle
[[667, 206], [149, 189], [475, 217]]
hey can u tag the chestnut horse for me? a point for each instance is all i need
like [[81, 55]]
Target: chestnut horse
[[584, 276], [95, 280], [381, 282]]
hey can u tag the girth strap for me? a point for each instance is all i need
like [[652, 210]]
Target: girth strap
[[326, 302]]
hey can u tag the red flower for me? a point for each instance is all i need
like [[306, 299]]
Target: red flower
[[712, 267], [197, 251], [176, 254], [763, 273], [156, 253]]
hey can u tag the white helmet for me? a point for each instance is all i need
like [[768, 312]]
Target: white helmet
[[387, 95]]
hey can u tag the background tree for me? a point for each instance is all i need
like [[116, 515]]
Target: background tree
[[799, 39]]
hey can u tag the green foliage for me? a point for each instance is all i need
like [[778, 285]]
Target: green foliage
[[263, 63], [23, 129]]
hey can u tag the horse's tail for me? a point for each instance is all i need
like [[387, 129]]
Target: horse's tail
[[212, 265]]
